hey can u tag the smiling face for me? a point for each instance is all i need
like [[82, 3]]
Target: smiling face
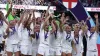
[[68, 28], [37, 28], [38, 20], [77, 26], [13, 12]]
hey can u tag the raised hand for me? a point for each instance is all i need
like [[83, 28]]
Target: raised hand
[[88, 18]]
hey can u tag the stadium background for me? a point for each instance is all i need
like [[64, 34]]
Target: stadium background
[[94, 6]]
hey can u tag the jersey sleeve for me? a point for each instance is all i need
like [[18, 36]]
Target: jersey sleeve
[[20, 30], [41, 27]]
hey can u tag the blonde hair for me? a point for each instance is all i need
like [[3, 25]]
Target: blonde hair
[[64, 27]]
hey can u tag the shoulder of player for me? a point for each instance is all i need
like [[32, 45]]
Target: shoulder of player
[[96, 33]]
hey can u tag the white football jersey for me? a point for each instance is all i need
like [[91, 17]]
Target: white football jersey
[[44, 37], [67, 40], [59, 38], [24, 35], [36, 40], [79, 44], [13, 35], [92, 41], [53, 40]]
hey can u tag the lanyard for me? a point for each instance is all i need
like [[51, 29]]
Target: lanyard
[[1, 22], [68, 36], [29, 32], [77, 40], [91, 35], [37, 35], [55, 33], [13, 30], [45, 34]]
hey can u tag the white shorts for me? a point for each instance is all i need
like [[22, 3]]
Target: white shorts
[[12, 47], [58, 51], [92, 53], [52, 52], [26, 49], [79, 53], [35, 51], [66, 50], [43, 50]]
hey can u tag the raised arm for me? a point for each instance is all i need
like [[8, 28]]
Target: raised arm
[[53, 27], [47, 13], [32, 19], [7, 30], [21, 18], [62, 22], [46, 20], [56, 26], [4, 18], [9, 10], [29, 18], [97, 23]]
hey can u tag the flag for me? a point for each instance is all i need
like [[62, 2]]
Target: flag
[[78, 11], [70, 3], [10, 17]]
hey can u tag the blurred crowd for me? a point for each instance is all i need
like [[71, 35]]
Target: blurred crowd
[[86, 3], [91, 3], [27, 2], [57, 22]]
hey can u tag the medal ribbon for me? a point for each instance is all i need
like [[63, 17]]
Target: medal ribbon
[[37, 35], [68, 36], [55, 33], [77, 41], [46, 35], [29, 32], [13, 30], [91, 35], [1, 22]]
